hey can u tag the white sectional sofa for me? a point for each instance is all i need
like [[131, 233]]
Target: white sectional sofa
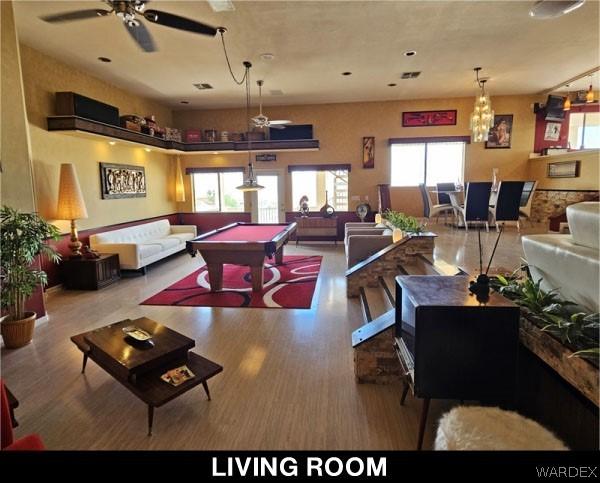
[[140, 245], [570, 263], [361, 240]]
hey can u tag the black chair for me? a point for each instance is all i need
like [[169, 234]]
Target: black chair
[[527, 198], [508, 202], [444, 198], [429, 209], [477, 204]]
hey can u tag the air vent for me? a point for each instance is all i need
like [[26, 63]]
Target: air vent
[[410, 75], [203, 86], [276, 92]]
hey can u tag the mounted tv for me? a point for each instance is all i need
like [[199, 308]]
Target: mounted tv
[[554, 108]]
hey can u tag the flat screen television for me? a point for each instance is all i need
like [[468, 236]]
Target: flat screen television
[[554, 108]]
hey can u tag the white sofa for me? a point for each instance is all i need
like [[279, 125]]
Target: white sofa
[[570, 263], [361, 240], [140, 245]]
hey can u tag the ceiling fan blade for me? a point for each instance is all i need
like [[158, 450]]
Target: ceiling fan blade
[[76, 15], [177, 22], [280, 122], [140, 34]]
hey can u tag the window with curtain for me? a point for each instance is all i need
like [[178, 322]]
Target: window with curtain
[[216, 191], [435, 162], [314, 184], [584, 130]]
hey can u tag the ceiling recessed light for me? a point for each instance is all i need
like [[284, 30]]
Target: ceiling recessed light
[[147, 150], [215, 152], [112, 143], [267, 56], [184, 102], [410, 53], [392, 85], [346, 73], [104, 59]]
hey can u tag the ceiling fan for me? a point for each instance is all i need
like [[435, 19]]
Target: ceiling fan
[[131, 12], [263, 121]]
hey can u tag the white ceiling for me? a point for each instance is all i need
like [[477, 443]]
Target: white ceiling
[[314, 42]]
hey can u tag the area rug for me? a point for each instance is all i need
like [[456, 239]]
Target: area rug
[[290, 285]]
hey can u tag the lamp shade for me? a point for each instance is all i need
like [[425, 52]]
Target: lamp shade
[[70, 200]]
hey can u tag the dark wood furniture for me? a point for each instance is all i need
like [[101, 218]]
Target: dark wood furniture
[[13, 403], [241, 244], [91, 273], [139, 365], [451, 346], [80, 124], [310, 227]]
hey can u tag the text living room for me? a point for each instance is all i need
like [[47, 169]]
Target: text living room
[[413, 228]]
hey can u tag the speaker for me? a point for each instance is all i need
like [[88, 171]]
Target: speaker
[[72, 104], [292, 131]]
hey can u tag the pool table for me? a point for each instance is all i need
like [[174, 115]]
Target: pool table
[[241, 244]]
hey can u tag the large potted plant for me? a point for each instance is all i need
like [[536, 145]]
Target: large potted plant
[[23, 237]]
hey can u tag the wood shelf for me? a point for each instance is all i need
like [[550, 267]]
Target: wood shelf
[[75, 124]]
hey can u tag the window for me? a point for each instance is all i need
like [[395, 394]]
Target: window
[[314, 185], [584, 130], [427, 162], [216, 191]]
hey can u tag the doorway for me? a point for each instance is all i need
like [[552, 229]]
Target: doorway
[[268, 204]]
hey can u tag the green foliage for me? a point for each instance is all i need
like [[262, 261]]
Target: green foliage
[[553, 315], [23, 237], [406, 223]]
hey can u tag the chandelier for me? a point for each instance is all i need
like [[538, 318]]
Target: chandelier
[[482, 117]]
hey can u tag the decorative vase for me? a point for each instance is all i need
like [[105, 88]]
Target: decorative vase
[[18, 333]]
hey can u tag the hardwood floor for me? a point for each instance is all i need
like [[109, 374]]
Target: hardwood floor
[[288, 380]]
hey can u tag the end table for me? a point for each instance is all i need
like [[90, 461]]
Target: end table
[[91, 273]]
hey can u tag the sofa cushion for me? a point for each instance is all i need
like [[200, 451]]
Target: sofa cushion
[[584, 223], [135, 234], [166, 243], [146, 250], [181, 237]]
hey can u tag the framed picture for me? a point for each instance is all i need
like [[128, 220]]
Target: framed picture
[[122, 181], [429, 118], [552, 132], [368, 152], [500, 135], [564, 169]]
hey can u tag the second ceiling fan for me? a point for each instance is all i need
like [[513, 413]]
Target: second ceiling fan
[[262, 121]]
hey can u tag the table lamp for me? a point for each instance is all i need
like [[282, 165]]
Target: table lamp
[[70, 204]]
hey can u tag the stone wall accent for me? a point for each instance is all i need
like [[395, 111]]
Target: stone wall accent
[[375, 360], [388, 263], [551, 203]]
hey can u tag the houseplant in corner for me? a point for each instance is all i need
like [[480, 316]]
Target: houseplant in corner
[[23, 237]]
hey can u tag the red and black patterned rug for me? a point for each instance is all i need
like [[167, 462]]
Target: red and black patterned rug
[[290, 285]]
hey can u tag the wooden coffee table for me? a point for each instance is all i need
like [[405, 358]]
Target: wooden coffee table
[[139, 365]]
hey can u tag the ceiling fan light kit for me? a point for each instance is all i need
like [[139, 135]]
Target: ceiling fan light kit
[[131, 12]]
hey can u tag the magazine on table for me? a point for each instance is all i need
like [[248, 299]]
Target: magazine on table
[[178, 376]]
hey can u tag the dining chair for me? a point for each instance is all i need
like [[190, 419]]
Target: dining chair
[[430, 210], [527, 199], [507, 203], [444, 198], [476, 207]]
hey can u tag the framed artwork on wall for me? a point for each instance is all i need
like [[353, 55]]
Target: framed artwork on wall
[[564, 169], [368, 152], [552, 131], [429, 118], [122, 181], [500, 135]]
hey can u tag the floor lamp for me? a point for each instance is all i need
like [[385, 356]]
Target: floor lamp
[[70, 204]]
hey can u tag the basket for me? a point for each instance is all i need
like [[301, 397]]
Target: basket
[[18, 333]]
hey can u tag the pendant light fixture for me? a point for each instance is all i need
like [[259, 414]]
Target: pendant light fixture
[[250, 183], [482, 116], [567, 101]]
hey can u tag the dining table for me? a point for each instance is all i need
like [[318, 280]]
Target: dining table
[[457, 200]]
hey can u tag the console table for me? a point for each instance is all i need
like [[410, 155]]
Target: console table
[[317, 227], [451, 346]]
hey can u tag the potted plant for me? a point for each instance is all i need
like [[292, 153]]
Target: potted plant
[[23, 237]]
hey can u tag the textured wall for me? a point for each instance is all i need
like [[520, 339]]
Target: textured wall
[[341, 127], [589, 176], [50, 149]]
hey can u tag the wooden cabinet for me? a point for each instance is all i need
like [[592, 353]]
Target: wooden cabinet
[[316, 228], [91, 273]]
